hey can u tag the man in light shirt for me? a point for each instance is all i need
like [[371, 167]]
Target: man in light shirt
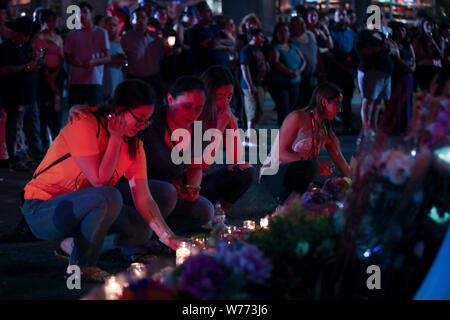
[[87, 52]]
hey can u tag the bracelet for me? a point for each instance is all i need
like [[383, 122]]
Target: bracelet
[[164, 236]]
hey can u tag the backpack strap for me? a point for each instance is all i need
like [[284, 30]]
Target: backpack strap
[[64, 157]]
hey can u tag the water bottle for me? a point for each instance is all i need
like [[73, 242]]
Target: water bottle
[[219, 214]]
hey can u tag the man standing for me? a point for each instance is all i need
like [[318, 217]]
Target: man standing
[[344, 64], [209, 45], [19, 79], [87, 51], [144, 50]]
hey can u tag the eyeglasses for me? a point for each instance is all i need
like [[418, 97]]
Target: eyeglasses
[[140, 122]]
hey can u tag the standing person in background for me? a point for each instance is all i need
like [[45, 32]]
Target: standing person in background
[[122, 14], [287, 64], [87, 52], [254, 72], [250, 22], [168, 63], [18, 69], [400, 107], [343, 65], [429, 48], [320, 30], [144, 51], [187, 20], [113, 74], [4, 34], [209, 45], [226, 24], [374, 73], [51, 76], [315, 70]]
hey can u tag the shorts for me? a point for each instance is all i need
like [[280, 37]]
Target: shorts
[[254, 104], [374, 85]]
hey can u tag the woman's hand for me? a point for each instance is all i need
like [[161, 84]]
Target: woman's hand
[[78, 112], [326, 168], [189, 193], [174, 241], [117, 126]]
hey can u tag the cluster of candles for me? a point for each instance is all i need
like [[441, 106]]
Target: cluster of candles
[[116, 284]]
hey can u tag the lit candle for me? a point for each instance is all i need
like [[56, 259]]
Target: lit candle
[[138, 270], [183, 252], [113, 288], [231, 229], [171, 40], [264, 222], [250, 224]]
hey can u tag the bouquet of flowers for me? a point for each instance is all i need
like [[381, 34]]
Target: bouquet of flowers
[[301, 245], [236, 271]]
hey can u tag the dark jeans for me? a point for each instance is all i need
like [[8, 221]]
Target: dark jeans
[[347, 83], [90, 94], [285, 98], [89, 215], [181, 216], [28, 118], [227, 185], [291, 177], [51, 119], [155, 82]]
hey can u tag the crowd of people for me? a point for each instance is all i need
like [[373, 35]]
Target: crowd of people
[[134, 77]]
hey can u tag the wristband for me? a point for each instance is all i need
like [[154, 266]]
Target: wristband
[[164, 236]]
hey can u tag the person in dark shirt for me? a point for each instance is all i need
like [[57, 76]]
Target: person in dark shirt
[[254, 72], [19, 80], [208, 43], [374, 74], [344, 63]]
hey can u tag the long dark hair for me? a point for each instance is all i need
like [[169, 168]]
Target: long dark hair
[[213, 78], [185, 84], [129, 94], [278, 26], [329, 91]]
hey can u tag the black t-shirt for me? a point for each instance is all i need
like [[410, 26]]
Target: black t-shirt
[[254, 58], [158, 154], [18, 89], [202, 57], [380, 61]]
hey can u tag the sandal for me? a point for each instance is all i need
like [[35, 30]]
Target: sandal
[[60, 253], [94, 274]]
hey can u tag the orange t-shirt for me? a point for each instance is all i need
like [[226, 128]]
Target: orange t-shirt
[[80, 139]]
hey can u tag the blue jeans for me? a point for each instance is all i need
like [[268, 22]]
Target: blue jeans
[[183, 217], [89, 215], [28, 118]]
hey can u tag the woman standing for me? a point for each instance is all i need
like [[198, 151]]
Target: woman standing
[[299, 141], [72, 194], [113, 74], [287, 65], [429, 50], [50, 46], [400, 107]]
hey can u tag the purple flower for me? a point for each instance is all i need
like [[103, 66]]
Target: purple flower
[[203, 277], [248, 259]]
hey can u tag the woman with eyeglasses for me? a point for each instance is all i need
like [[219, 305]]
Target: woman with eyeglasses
[[292, 164], [72, 193]]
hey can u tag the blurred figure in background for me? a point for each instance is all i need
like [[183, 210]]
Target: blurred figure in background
[[51, 76], [113, 73]]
